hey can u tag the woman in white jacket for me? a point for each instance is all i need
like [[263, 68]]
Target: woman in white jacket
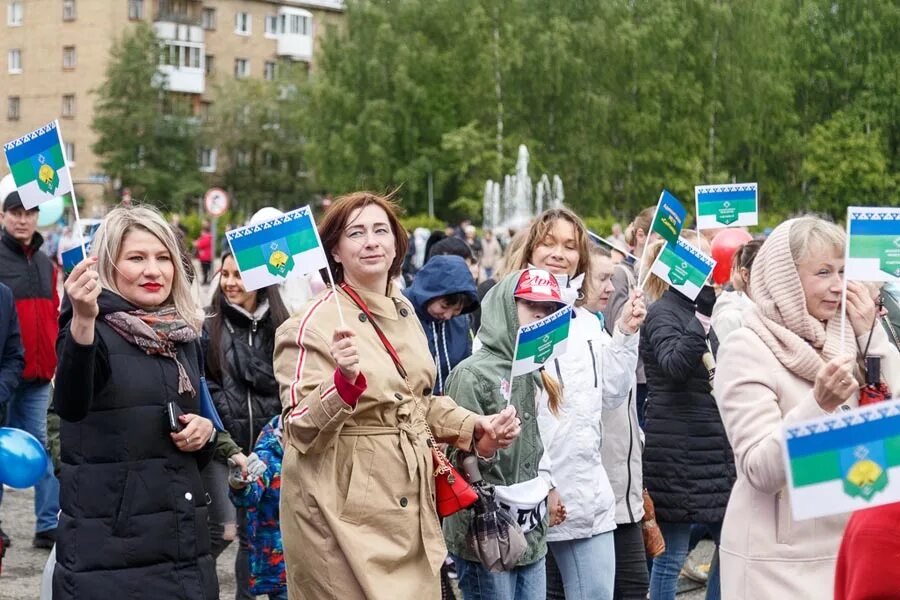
[[596, 371]]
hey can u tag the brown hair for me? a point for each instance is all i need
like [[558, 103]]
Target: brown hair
[[643, 221], [540, 229], [332, 228]]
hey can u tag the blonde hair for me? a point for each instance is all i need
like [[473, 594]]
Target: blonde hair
[[554, 392], [810, 235], [655, 287], [512, 249], [107, 245]]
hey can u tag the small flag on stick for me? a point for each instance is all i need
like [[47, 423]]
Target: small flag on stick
[[668, 220], [684, 267], [269, 252], [729, 205], [874, 244], [541, 341], [38, 166], [844, 462]]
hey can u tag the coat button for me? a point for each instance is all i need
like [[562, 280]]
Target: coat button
[[527, 416], [398, 396], [362, 317], [404, 312], [527, 465], [188, 496], [404, 501], [426, 391]]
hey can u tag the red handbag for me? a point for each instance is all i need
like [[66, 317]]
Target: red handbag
[[451, 491]]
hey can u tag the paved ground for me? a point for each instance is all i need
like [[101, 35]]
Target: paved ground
[[22, 566]]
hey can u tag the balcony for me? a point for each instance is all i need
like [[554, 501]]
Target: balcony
[[183, 56], [294, 33]]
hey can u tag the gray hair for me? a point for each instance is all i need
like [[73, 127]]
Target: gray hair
[[810, 235]]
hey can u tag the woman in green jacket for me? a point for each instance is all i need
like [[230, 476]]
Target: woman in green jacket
[[481, 383]]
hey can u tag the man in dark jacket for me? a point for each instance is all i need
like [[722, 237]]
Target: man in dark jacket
[[443, 295], [31, 276]]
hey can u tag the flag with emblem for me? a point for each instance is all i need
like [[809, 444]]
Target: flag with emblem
[[729, 205], [873, 252], [844, 462], [684, 267], [269, 252], [38, 165], [668, 220], [541, 341]]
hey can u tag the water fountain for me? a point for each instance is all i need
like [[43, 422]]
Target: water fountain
[[512, 205]]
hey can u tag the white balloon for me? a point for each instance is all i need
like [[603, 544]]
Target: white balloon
[[7, 187], [266, 213]]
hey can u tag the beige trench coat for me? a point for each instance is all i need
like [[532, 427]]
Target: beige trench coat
[[358, 517], [764, 553]]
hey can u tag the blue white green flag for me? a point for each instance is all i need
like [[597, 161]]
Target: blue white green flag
[[844, 462], [729, 205], [38, 165], [873, 253], [269, 252], [668, 219], [540, 341], [684, 267]]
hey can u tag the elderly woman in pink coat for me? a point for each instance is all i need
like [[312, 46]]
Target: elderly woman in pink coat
[[785, 365]]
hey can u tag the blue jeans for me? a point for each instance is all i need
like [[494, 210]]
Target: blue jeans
[[587, 566], [27, 410], [667, 566], [522, 583]]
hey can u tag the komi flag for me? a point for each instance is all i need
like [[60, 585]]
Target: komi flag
[[269, 252], [668, 218], [540, 341], [844, 462], [684, 267], [38, 165], [729, 205], [874, 244]]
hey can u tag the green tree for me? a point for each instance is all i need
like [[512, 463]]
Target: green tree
[[257, 128], [146, 134]]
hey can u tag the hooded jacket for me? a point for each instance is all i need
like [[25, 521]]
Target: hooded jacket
[[31, 276], [448, 341], [133, 520], [476, 384], [245, 393]]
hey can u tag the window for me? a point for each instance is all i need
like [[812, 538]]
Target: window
[[205, 108], [242, 158], [210, 64], [14, 13], [272, 25], [192, 57], [241, 67], [269, 70], [14, 61], [68, 105], [68, 10], [209, 19], [295, 25], [179, 56], [207, 160], [70, 153], [12, 109], [243, 23], [68, 57], [135, 10]]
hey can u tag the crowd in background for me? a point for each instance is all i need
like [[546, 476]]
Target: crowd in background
[[660, 422]]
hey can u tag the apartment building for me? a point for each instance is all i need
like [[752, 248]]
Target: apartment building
[[57, 51]]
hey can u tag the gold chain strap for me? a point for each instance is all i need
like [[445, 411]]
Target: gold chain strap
[[443, 465]]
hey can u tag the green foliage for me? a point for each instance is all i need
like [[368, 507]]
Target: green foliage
[[146, 135], [413, 222], [619, 98]]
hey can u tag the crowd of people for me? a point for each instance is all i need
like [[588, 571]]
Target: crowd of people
[[308, 421]]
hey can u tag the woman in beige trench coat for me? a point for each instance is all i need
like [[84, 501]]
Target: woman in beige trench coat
[[358, 516], [784, 365]]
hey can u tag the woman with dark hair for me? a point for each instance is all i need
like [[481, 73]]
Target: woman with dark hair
[[731, 303], [358, 514], [240, 329]]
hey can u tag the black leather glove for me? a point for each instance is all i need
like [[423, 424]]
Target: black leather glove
[[705, 301]]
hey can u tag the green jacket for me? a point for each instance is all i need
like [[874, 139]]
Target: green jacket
[[890, 295], [475, 384]]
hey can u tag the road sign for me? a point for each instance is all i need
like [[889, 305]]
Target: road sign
[[216, 202]]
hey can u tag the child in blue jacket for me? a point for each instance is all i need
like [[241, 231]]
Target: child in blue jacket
[[261, 497]]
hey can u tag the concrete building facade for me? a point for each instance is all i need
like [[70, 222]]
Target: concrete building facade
[[57, 51]]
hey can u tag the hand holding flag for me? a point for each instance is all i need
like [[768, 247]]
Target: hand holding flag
[[345, 353]]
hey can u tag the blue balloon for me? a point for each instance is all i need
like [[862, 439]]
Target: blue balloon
[[23, 460], [51, 211]]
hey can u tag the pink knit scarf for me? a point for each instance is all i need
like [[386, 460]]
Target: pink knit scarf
[[779, 317]]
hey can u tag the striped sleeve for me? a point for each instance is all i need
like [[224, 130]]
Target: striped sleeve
[[313, 410]]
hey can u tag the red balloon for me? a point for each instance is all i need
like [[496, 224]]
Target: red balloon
[[724, 245]]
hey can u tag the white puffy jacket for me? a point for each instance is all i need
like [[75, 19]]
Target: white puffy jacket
[[596, 372]]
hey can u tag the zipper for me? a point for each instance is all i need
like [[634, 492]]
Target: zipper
[[593, 360], [631, 399], [253, 325]]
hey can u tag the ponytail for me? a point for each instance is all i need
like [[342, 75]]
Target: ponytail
[[554, 392]]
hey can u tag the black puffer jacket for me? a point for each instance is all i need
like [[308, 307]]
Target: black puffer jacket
[[688, 463], [134, 510], [246, 393]]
